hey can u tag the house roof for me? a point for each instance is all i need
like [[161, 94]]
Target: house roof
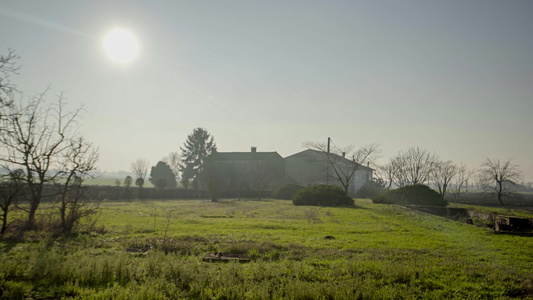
[[318, 154], [233, 156]]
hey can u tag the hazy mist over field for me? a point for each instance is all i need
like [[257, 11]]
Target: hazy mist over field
[[452, 77]]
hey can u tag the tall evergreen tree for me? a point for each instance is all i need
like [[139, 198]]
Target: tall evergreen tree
[[199, 145]]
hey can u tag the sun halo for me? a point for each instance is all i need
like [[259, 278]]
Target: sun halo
[[120, 45]]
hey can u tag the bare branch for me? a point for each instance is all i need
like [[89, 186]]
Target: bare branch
[[442, 174], [414, 166], [8, 67], [140, 168], [173, 160], [460, 183], [500, 177], [387, 173], [343, 163], [77, 163], [35, 136]]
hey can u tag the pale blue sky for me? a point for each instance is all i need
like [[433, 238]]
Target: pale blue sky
[[454, 77]]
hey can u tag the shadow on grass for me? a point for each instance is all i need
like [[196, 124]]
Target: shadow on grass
[[514, 233], [332, 206], [9, 243], [356, 207]]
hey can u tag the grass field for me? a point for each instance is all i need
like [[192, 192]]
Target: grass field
[[378, 252]]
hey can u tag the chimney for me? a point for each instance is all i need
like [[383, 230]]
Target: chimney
[[343, 154], [254, 149]]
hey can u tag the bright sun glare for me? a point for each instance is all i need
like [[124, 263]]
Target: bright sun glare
[[120, 45]]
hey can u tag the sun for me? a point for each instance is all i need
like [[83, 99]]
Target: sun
[[121, 45]]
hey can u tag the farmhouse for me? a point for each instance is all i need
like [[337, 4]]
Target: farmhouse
[[311, 167], [249, 170]]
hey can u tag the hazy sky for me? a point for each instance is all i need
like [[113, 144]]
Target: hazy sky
[[453, 77]]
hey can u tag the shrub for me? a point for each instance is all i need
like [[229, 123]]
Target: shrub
[[371, 189], [161, 176], [322, 195], [411, 195], [287, 191]]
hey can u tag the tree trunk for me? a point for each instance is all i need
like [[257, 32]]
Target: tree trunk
[[500, 193], [69, 222], [31, 215], [36, 194], [4, 221], [62, 211]]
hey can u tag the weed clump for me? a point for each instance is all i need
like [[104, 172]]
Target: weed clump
[[322, 195], [417, 194]]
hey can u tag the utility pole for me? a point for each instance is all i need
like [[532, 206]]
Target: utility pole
[[327, 165]]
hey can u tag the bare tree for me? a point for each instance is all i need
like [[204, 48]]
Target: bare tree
[[173, 160], [442, 174], [500, 177], [34, 136], [387, 173], [10, 182], [8, 67], [11, 186], [460, 183], [342, 169], [77, 164], [140, 169], [414, 166]]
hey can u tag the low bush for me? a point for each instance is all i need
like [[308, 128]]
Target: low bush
[[322, 195], [287, 191], [371, 189], [411, 195]]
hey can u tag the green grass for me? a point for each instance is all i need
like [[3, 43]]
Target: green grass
[[379, 252]]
